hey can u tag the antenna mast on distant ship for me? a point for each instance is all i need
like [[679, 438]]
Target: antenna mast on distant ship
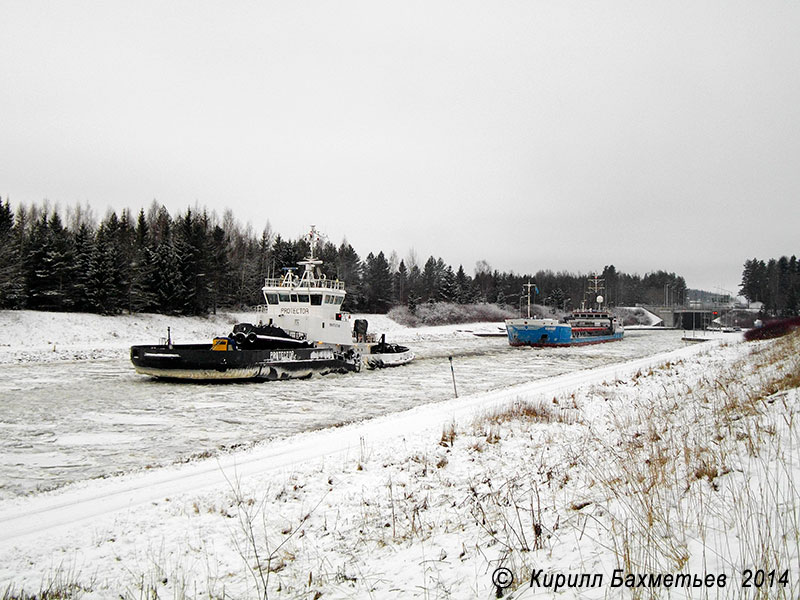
[[596, 285], [530, 285]]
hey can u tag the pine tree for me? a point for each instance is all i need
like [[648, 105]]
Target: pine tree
[[348, 269], [82, 280], [284, 254], [557, 299], [612, 283], [483, 281], [125, 241], [500, 300], [328, 254], [400, 284], [448, 288], [377, 283], [415, 287], [106, 291], [48, 264], [793, 293], [12, 280], [431, 279], [463, 286], [192, 248], [413, 302], [219, 275], [140, 296], [166, 284]]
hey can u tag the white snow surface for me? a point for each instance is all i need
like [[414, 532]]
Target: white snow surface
[[81, 412], [653, 320], [48, 336], [390, 506], [38, 336]]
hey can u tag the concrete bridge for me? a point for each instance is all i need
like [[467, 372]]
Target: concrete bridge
[[694, 316]]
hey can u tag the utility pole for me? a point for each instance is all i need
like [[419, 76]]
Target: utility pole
[[452, 371]]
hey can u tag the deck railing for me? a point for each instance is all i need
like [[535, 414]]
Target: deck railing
[[328, 284]]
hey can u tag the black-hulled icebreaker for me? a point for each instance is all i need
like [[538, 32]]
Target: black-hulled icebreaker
[[301, 331]]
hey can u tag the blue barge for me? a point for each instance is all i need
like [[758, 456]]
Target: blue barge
[[582, 327], [579, 329]]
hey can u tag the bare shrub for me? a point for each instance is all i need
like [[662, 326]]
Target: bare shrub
[[448, 436], [448, 313], [537, 411]]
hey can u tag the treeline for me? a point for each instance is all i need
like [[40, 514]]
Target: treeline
[[565, 290], [775, 283], [195, 262]]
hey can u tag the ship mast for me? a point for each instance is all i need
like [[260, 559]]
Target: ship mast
[[529, 285], [311, 262], [595, 287]]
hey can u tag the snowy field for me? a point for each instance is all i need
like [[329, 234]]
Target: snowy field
[[648, 455]]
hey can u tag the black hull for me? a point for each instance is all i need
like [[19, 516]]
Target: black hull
[[199, 362]]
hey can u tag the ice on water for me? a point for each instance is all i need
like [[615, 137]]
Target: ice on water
[[67, 421]]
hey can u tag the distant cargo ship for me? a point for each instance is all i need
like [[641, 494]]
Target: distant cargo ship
[[583, 326]]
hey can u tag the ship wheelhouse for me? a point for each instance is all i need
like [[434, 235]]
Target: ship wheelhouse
[[309, 304]]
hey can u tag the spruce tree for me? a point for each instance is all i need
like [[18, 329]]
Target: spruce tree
[[348, 269], [377, 283], [192, 248], [400, 284], [12, 280], [106, 290], [166, 287], [140, 296], [48, 264], [448, 288], [431, 279], [463, 286], [81, 286], [220, 269], [328, 254]]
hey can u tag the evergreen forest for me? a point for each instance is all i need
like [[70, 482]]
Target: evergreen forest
[[196, 262], [775, 283]]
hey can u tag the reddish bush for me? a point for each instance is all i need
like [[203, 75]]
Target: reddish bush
[[773, 329]]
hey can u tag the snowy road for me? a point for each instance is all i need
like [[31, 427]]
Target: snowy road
[[70, 421]]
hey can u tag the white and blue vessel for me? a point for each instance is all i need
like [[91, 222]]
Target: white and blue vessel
[[584, 326]]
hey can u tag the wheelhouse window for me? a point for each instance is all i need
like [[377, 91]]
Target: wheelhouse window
[[302, 297], [316, 299], [294, 297], [283, 297], [272, 298]]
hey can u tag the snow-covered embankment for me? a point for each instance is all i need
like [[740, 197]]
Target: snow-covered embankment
[[574, 473]]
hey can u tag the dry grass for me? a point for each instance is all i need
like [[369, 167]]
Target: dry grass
[[719, 468], [529, 411]]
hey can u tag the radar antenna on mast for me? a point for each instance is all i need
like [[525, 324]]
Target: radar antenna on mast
[[313, 238], [311, 263], [596, 285]]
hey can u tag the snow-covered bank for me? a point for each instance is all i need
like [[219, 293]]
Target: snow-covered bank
[[39, 336], [428, 502], [47, 336]]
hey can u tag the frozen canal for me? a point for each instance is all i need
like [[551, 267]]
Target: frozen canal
[[67, 421]]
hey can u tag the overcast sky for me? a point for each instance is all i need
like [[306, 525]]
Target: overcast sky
[[561, 135]]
